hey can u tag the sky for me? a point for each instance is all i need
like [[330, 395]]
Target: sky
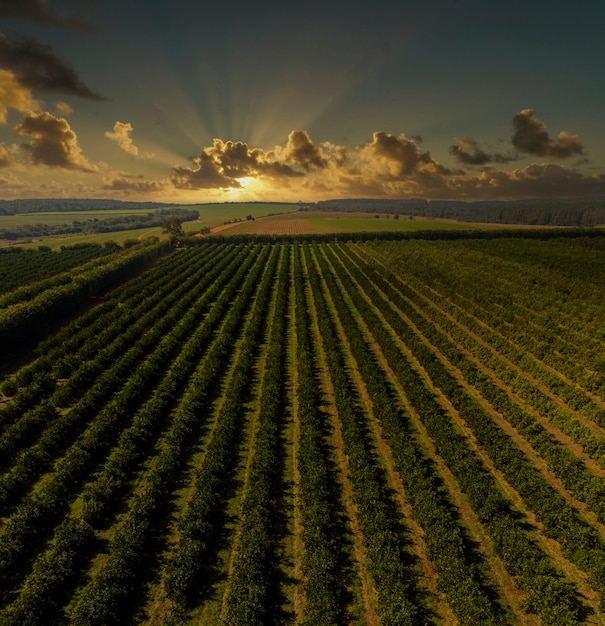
[[193, 102]]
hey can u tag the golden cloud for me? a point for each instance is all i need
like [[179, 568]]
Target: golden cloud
[[64, 109], [398, 155], [9, 183], [388, 165], [53, 142], [121, 135], [5, 160], [539, 180], [14, 95], [122, 181], [225, 162]]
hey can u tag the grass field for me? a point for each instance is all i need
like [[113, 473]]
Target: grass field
[[308, 222]]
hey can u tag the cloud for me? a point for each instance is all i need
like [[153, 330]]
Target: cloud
[[53, 142], [539, 180], [42, 12], [468, 152], [5, 160], [9, 182], [64, 109], [302, 151], [121, 135], [400, 157], [532, 137], [222, 164], [122, 181], [36, 66], [14, 95]]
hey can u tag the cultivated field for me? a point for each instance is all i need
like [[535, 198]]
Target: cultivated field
[[327, 222], [372, 433], [210, 216]]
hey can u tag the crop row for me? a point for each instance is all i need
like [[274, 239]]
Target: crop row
[[17, 535], [25, 267], [187, 571], [252, 597], [583, 483], [40, 305], [322, 561], [480, 486], [378, 518], [64, 426], [315, 433], [525, 302], [44, 589]]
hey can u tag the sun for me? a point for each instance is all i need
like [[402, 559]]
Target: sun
[[248, 185], [245, 181]]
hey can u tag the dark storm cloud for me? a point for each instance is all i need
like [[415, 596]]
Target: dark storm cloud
[[36, 66], [531, 136], [468, 152], [222, 164], [42, 12], [53, 142]]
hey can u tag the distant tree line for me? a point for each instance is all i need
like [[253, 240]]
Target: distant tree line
[[586, 212], [43, 205], [95, 225]]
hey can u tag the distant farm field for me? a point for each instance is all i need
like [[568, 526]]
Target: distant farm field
[[327, 222], [388, 432], [210, 216]]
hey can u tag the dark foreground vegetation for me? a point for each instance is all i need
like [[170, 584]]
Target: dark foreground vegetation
[[303, 430]]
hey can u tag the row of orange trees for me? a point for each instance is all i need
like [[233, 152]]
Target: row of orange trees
[[144, 450]]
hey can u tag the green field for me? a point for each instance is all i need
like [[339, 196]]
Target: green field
[[327, 222], [388, 432]]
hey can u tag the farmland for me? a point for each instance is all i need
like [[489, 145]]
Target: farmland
[[210, 216], [386, 432], [309, 222]]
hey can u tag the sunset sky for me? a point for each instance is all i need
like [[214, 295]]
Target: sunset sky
[[179, 101]]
